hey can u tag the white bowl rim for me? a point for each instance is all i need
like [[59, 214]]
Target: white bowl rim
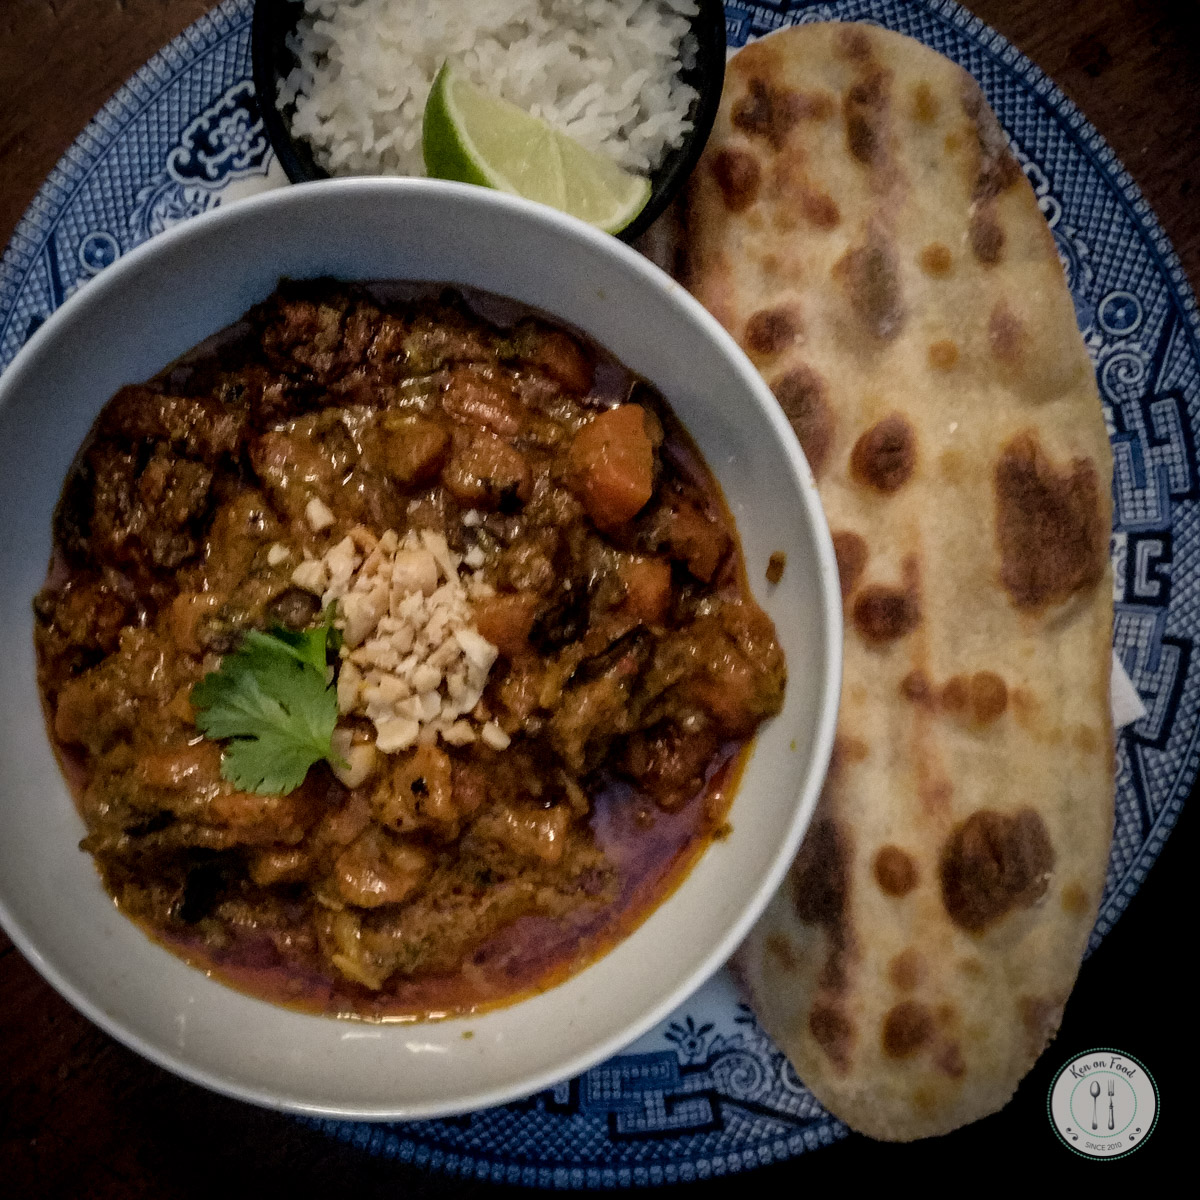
[[96, 292]]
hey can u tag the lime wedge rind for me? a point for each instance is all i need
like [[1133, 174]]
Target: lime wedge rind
[[472, 137]]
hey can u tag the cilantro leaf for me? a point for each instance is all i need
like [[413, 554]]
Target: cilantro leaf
[[306, 647], [271, 698]]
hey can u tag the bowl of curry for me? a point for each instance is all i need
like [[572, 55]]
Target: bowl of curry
[[406, 667]]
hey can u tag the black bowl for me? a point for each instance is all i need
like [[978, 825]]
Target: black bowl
[[273, 61]]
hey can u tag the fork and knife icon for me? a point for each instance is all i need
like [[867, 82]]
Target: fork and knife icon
[[1095, 1093]]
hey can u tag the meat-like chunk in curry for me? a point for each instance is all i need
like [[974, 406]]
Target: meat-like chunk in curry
[[546, 660]]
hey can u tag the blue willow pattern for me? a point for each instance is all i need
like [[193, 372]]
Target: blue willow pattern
[[707, 1093]]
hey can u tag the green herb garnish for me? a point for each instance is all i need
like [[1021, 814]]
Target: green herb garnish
[[272, 699]]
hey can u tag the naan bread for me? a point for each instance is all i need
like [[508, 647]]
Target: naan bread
[[859, 225]]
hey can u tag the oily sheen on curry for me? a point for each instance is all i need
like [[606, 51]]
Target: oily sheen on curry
[[527, 599]]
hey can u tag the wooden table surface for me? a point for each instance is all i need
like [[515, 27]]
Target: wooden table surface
[[82, 1116]]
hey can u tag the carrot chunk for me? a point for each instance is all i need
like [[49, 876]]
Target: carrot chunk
[[647, 588], [506, 619], [612, 466]]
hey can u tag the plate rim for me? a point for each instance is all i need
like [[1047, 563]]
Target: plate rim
[[226, 21]]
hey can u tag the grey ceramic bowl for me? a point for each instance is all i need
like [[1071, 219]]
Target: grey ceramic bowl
[[170, 294]]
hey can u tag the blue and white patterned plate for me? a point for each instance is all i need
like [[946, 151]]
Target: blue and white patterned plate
[[706, 1093]]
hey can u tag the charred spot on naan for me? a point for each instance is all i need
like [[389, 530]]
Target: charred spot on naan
[[850, 550], [956, 694], [993, 863], [980, 698], [819, 881], [1040, 1018], [1007, 335], [780, 949], [884, 457], [972, 968], [739, 177], [1075, 900], [864, 109], [769, 112], [804, 397], [925, 106], [908, 970], [793, 198], [770, 331], [867, 102], [907, 1028], [853, 43], [936, 260], [986, 234], [1050, 525], [884, 612], [847, 749], [915, 686], [949, 1060], [819, 208], [1025, 343], [943, 354], [895, 871], [1030, 713], [997, 170], [766, 112], [820, 878], [869, 275], [833, 1031]]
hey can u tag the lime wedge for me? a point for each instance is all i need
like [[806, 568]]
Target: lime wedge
[[472, 137]]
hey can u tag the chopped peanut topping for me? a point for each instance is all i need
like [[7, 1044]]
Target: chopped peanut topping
[[413, 662]]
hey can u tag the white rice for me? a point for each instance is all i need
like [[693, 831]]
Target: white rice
[[603, 71]]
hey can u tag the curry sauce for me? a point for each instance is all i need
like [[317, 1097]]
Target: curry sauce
[[491, 849]]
